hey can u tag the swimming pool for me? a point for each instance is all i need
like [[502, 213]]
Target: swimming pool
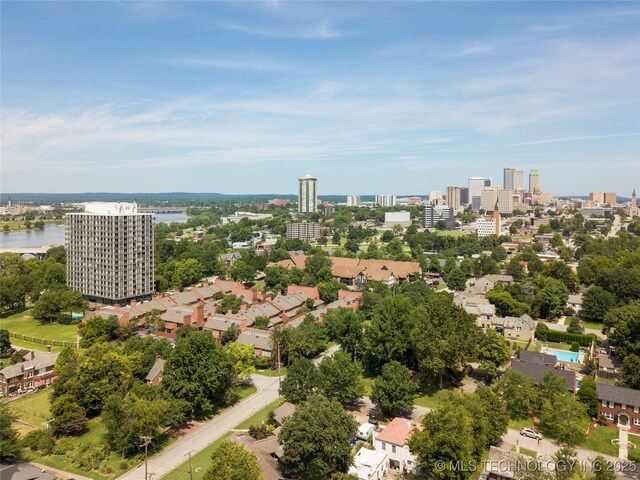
[[564, 356]]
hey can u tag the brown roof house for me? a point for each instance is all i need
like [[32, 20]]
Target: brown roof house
[[35, 372]]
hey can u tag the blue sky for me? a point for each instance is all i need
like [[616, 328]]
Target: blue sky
[[369, 97]]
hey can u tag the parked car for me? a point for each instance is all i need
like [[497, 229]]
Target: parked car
[[373, 420], [365, 430], [528, 432]]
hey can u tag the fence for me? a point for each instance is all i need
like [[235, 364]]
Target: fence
[[42, 341]]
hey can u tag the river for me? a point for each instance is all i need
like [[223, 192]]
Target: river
[[53, 234]]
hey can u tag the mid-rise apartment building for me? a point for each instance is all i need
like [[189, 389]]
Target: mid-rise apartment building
[[603, 197], [386, 200], [307, 194], [110, 253], [453, 198], [304, 230], [353, 200]]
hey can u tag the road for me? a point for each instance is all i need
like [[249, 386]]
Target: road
[[615, 227], [327, 353], [175, 454], [563, 327]]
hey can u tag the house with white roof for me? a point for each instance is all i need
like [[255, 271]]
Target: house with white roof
[[393, 440], [369, 464]]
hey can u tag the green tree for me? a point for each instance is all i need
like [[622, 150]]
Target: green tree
[[499, 254], [10, 448], [602, 469], [352, 245], [519, 393], [199, 372], [99, 329], [387, 236], [300, 382], [57, 301], [242, 359], [316, 437], [340, 378], [393, 391], [261, 322], [565, 419], [444, 336], [566, 463], [575, 326], [391, 323], [5, 341], [187, 272], [552, 298], [231, 461], [329, 290], [435, 443], [242, 271], [456, 280], [506, 305], [128, 419], [68, 417], [622, 327], [596, 302], [562, 272], [335, 239], [229, 302], [588, 396], [630, 372], [493, 352]]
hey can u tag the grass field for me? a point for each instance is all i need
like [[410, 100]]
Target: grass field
[[270, 372], [18, 343], [449, 233], [520, 424], [33, 409], [593, 325], [431, 396], [24, 324], [200, 461]]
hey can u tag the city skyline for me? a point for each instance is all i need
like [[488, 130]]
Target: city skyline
[[384, 97]]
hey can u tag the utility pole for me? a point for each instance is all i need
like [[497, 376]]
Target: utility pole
[[190, 467], [279, 365], [147, 441]]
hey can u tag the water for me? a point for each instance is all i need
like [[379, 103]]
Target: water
[[53, 234], [564, 356]]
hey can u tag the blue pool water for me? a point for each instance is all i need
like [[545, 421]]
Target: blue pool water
[[564, 356]]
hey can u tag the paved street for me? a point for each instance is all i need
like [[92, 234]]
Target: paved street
[[563, 327], [172, 456]]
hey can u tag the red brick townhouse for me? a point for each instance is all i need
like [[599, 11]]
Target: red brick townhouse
[[619, 406], [35, 372]]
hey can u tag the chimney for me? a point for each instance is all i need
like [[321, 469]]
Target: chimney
[[158, 357], [199, 313], [243, 307], [187, 319], [243, 324], [205, 284], [32, 356], [229, 312], [134, 302], [254, 296]]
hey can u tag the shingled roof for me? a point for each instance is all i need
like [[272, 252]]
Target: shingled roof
[[622, 395]]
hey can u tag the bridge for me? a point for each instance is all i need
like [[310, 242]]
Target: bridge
[[38, 252], [162, 209]]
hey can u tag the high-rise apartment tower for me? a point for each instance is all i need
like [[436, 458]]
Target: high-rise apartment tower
[[307, 194], [110, 253]]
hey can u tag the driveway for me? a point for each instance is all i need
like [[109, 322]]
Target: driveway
[[176, 453]]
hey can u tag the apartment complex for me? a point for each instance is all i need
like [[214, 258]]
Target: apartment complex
[[353, 200], [386, 200], [307, 194], [304, 230], [603, 197], [110, 252]]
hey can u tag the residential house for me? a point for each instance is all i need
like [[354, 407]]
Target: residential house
[[538, 358], [154, 377], [478, 306], [537, 372], [260, 339], [269, 454], [218, 324], [35, 371], [369, 464], [24, 471], [488, 282], [229, 259], [608, 366], [516, 328], [355, 272], [619, 406], [281, 413], [178, 316], [394, 441], [575, 302]]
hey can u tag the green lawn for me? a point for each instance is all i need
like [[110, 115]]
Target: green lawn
[[431, 396], [520, 424], [449, 233], [270, 372], [24, 324], [526, 451], [368, 385], [18, 344], [34, 408], [593, 325], [200, 461], [601, 440]]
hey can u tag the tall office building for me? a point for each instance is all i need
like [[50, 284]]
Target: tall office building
[[464, 195], [505, 201], [110, 257], [453, 198], [307, 194], [534, 182], [386, 200], [518, 181], [508, 182], [476, 185], [431, 215], [353, 200], [488, 199]]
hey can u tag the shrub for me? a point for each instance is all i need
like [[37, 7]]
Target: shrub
[[261, 362], [563, 337], [542, 332], [261, 430], [575, 347]]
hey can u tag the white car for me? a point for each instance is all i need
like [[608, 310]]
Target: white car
[[527, 432], [365, 430]]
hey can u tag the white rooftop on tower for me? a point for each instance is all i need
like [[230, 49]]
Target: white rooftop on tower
[[111, 208]]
